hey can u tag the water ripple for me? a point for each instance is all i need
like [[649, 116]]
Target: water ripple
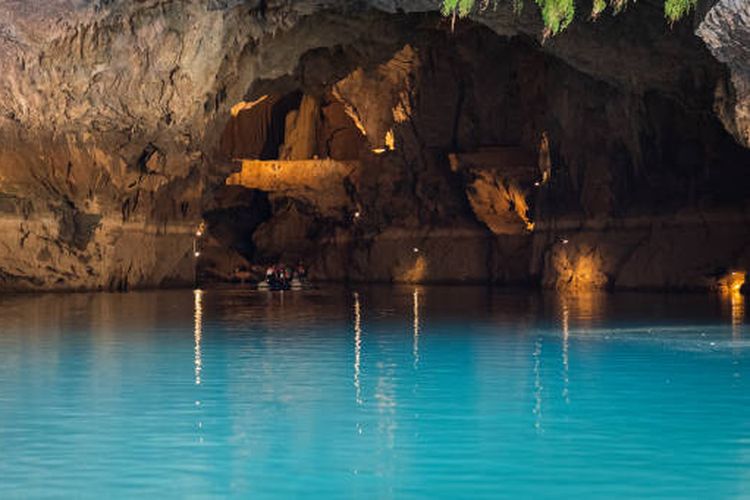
[[375, 392]]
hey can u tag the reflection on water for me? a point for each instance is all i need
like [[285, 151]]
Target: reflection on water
[[538, 388], [586, 306], [197, 333], [357, 348], [385, 400], [738, 312], [460, 392], [415, 347], [565, 347], [198, 358]]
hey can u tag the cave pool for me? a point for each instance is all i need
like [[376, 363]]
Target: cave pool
[[374, 392]]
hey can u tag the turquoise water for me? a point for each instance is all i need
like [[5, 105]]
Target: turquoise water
[[374, 393]]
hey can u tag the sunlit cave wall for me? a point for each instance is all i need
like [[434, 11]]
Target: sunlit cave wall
[[152, 143]]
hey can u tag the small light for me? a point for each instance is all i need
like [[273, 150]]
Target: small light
[[199, 233], [564, 241], [416, 250], [537, 183], [197, 254], [357, 215]]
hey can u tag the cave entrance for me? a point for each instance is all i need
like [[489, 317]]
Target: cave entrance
[[291, 153], [494, 153], [330, 185]]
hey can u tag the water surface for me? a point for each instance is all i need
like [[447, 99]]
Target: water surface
[[374, 393]]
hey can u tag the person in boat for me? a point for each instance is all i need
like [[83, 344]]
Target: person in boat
[[301, 271], [273, 278], [280, 280]]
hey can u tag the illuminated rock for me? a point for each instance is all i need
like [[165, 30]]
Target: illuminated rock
[[112, 116], [500, 185], [302, 131], [378, 99], [320, 183]]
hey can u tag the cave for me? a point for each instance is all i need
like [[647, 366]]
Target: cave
[[458, 155], [376, 145], [374, 248]]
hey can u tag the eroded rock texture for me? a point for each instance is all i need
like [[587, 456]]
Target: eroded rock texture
[[121, 121], [726, 31]]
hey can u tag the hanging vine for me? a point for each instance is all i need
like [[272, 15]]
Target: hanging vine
[[558, 14]]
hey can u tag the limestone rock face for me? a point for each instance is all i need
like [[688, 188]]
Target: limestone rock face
[[378, 99], [119, 121], [96, 127], [320, 183], [726, 31], [682, 252], [500, 184], [301, 131]]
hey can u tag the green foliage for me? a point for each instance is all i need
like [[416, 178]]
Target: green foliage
[[677, 9], [558, 14], [598, 8], [462, 7]]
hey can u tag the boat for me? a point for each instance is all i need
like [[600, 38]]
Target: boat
[[301, 284], [295, 284], [274, 286]]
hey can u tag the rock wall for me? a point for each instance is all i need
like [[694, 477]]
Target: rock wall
[[681, 252], [118, 124], [725, 28], [528, 170]]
